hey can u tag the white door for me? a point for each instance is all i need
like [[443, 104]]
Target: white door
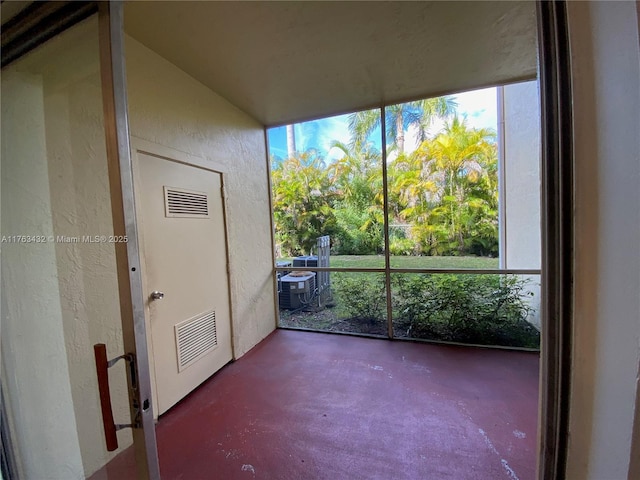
[[183, 242]]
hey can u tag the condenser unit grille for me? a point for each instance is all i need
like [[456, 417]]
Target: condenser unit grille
[[179, 202], [296, 292], [195, 337]]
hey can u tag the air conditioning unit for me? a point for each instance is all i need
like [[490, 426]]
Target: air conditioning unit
[[323, 281], [282, 273], [297, 290], [307, 261], [283, 264]]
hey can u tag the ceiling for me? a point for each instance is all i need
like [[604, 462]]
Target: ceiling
[[9, 9], [283, 62]]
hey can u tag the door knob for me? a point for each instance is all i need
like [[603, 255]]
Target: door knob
[[156, 295]]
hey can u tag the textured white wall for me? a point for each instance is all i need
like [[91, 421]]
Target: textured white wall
[[170, 108], [606, 352], [521, 174], [73, 169], [80, 200], [33, 346]]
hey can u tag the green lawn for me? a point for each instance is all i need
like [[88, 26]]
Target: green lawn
[[377, 261]]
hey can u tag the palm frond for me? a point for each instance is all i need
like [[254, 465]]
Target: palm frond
[[361, 124]]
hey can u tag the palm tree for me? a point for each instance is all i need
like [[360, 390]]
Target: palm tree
[[302, 202], [446, 187], [399, 117], [460, 152], [357, 176], [358, 165]]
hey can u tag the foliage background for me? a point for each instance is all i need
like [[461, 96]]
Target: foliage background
[[443, 196]]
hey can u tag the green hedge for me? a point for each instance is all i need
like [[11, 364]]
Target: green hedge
[[482, 309]]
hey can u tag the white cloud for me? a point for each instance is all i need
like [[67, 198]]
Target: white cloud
[[320, 134], [480, 107], [331, 130], [301, 137]]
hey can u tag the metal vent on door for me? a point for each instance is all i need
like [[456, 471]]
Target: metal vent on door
[[195, 337], [179, 202]]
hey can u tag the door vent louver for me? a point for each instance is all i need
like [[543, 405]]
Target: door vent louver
[[195, 337], [179, 202]]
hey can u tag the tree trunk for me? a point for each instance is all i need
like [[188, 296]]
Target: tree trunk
[[400, 134], [291, 141]]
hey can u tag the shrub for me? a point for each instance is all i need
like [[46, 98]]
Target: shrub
[[358, 233], [483, 309], [401, 246], [362, 296]]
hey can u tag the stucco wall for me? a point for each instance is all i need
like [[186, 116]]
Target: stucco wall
[[170, 108], [522, 174], [521, 184], [606, 352], [34, 356], [58, 299], [87, 278], [72, 160]]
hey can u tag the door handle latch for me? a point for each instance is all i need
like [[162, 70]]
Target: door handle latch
[[156, 295], [102, 367]]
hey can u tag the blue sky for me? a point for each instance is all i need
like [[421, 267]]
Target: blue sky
[[478, 106]]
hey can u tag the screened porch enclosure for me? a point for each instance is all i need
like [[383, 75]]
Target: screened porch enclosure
[[431, 210]]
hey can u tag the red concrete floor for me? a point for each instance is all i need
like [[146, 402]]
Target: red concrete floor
[[304, 405]]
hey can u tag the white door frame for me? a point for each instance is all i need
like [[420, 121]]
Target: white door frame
[[116, 122]]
